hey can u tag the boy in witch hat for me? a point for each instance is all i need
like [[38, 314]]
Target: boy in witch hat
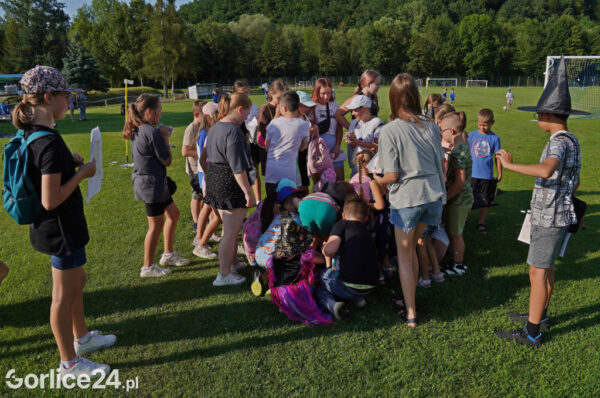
[[552, 210]]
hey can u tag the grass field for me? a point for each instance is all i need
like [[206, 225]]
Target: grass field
[[183, 337]]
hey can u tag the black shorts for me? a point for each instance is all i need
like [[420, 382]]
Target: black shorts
[[157, 209], [259, 156], [484, 192]]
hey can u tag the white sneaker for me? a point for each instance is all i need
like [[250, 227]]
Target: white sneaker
[[241, 249], [204, 252], [174, 259], [84, 367], [215, 238], [231, 279], [154, 270], [96, 342], [238, 266], [195, 243]]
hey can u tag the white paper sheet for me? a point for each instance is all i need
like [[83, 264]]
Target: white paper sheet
[[95, 153], [525, 234], [373, 165]]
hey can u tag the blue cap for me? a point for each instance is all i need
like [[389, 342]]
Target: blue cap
[[285, 188]]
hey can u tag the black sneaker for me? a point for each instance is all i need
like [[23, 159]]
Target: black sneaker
[[522, 318], [341, 311], [521, 337], [460, 269], [449, 270]]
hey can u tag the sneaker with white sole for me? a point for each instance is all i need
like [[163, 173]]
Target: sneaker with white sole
[[96, 342], [204, 252], [154, 271], [215, 238], [340, 311], [174, 259], [84, 367], [426, 283], [238, 266], [195, 242], [231, 279]]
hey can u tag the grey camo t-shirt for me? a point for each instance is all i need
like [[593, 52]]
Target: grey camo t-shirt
[[551, 201]]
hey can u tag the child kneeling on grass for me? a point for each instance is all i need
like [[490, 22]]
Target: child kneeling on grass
[[358, 272]]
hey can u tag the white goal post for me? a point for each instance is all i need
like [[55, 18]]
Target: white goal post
[[476, 83], [441, 81], [583, 73]]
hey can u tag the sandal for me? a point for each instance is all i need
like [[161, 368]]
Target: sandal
[[482, 228], [411, 323]]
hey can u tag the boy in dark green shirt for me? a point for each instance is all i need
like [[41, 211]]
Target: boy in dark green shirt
[[458, 189]]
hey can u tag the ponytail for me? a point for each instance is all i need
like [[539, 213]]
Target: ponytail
[[231, 102], [22, 115], [463, 120], [135, 114]]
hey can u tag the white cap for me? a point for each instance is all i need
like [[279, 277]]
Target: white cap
[[358, 101]]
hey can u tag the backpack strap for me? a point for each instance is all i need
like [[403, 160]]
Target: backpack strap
[[38, 134]]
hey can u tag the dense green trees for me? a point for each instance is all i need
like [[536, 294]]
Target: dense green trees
[[80, 68], [213, 39]]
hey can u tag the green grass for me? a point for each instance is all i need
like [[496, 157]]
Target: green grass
[[183, 337]]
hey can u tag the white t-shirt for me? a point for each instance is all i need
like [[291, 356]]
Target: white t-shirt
[[509, 97], [368, 131], [252, 123], [321, 114], [285, 137]]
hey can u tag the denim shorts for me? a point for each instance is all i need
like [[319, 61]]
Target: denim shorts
[[64, 261], [408, 217]]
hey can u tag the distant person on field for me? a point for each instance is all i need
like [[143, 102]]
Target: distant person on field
[[61, 229], [216, 95], [484, 145], [151, 154], [452, 96], [72, 106], [188, 150], [552, 208], [82, 103], [458, 189], [509, 98]]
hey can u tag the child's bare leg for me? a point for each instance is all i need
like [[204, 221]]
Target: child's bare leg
[[79, 326], [211, 228], [433, 256], [440, 249], [256, 188], [172, 213], [195, 207], [483, 211], [423, 257], [155, 226], [66, 288], [458, 248], [202, 220]]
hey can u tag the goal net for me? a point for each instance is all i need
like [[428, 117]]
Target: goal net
[[441, 82], [477, 83], [583, 73]]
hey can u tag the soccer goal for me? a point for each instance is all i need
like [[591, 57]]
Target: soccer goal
[[419, 82], [441, 82], [584, 80], [476, 83]]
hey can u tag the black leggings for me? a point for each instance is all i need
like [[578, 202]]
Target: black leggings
[[157, 209]]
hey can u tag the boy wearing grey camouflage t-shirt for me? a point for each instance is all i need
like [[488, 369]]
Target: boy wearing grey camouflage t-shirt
[[552, 212]]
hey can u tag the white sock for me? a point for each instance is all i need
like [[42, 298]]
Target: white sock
[[167, 254], [84, 339], [69, 364]]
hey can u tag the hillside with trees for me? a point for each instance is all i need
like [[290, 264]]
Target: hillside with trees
[[218, 40]]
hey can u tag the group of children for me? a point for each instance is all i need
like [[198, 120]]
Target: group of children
[[312, 253]]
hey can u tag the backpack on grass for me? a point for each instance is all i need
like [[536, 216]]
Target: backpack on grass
[[18, 193]]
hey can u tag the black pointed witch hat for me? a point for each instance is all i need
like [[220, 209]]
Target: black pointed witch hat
[[556, 98]]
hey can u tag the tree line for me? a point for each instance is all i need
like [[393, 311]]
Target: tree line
[[212, 39]]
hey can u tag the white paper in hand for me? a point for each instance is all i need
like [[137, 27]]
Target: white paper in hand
[[525, 234], [373, 165], [95, 153]]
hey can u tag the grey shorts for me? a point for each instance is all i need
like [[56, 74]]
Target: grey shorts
[[545, 245]]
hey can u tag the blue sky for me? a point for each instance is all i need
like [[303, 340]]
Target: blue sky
[[71, 6]]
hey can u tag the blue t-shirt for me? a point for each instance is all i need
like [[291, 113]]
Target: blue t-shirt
[[443, 97], [483, 147], [199, 149], [452, 96]]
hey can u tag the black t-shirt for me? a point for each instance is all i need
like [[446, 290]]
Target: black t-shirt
[[358, 262], [50, 155]]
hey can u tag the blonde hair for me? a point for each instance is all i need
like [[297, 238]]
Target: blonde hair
[[22, 115], [231, 102], [135, 113]]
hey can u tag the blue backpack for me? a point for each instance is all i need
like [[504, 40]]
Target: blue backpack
[[19, 195]]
